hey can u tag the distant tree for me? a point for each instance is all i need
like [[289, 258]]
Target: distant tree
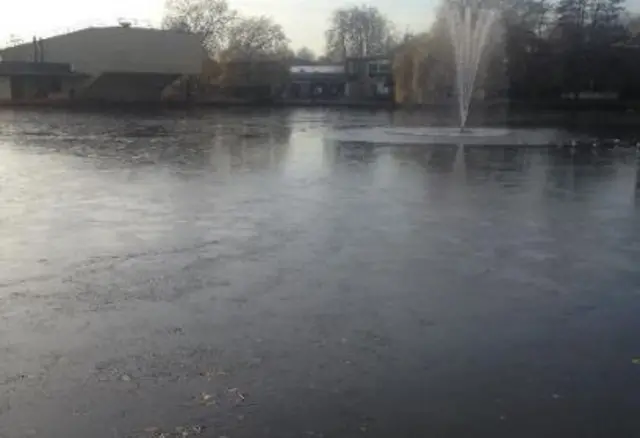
[[581, 22], [211, 19], [359, 31], [305, 54], [633, 25], [324, 59], [585, 34], [530, 17], [543, 48], [14, 40], [530, 70], [257, 37], [425, 66]]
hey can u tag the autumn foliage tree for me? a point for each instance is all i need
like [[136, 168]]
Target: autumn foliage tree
[[243, 51]]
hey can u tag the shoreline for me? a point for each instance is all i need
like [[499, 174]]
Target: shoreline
[[488, 113], [541, 105]]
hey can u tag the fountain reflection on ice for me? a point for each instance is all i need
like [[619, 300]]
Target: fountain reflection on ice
[[450, 135]]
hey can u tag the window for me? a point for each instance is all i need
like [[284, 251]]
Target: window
[[381, 67], [384, 68]]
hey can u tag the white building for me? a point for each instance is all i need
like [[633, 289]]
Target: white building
[[113, 63]]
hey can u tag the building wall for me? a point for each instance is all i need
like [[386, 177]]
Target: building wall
[[127, 87], [68, 87], [119, 49], [256, 73], [369, 78], [27, 88], [5, 88]]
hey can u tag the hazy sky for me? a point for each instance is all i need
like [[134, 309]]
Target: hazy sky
[[303, 20]]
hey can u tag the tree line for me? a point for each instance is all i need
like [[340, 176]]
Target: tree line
[[571, 46], [353, 31], [545, 49], [542, 47]]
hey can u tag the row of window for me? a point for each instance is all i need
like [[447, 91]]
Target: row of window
[[381, 67]]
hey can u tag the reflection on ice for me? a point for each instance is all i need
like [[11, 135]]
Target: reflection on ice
[[449, 135]]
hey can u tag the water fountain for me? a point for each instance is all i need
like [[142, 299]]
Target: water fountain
[[469, 30], [470, 25]]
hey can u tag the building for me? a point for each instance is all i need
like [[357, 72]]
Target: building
[[122, 64], [369, 78], [359, 80], [252, 80], [321, 82], [32, 81]]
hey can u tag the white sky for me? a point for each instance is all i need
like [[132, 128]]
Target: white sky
[[303, 20]]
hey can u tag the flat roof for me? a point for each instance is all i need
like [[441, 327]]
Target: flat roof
[[318, 69], [102, 29]]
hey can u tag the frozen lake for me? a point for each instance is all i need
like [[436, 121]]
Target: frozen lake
[[240, 274]]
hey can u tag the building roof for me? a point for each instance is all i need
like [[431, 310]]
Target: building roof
[[104, 29], [368, 58]]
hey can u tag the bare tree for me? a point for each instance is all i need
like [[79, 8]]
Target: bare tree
[[337, 35], [14, 40], [634, 25], [255, 37], [211, 19], [306, 54], [359, 31]]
